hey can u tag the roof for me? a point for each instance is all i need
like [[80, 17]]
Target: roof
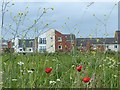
[[84, 41]]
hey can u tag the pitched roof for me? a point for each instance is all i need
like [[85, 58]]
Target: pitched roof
[[84, 41]]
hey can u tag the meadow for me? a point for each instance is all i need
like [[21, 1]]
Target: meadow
[[28, 70]]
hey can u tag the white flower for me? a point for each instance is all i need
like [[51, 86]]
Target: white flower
[[52, 82], [21, 70], [20, 63], [73, 65], [104, 60], [46, 60], [14, 79], [53, 59], [58, 80], [100, 65], [4, 63], [1, 83], [70, 77], [115, 76], [30, 71]]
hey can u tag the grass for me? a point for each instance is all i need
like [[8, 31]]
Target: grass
[[101, 68]]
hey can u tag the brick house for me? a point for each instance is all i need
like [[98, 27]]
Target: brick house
[[52, 40]]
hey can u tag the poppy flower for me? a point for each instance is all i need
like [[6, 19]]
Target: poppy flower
[[86, 79], [79, 68], [48, 70]]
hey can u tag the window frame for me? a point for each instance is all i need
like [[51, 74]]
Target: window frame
[[115, 46], [59, 39], [59, 46]]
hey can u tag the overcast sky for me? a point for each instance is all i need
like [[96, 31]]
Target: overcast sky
[[76, 17]]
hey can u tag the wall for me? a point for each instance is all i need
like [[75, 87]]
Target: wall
[[111, 47], [66, 45], [50, 38], [39, 45]]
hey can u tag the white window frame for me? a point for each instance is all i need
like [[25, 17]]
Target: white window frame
[[21, 49], [59, 39], [60, 48], [115, 46]]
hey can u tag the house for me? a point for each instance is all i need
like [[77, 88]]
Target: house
[[49, 41], [23, 45], [52, 40], [4, 44], [102, 44]]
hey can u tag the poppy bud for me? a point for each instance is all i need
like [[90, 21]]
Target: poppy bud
[[79, 68]]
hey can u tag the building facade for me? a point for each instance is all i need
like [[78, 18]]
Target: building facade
[[102, 44], [23, 45], [52, 41]]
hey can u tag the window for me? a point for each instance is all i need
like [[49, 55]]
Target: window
[[115, 46], [42, 48], [42, 41], [51, 45], [59, 38], [59, 47], [20, 49], [107, 46], [51, 38], [13, 43]]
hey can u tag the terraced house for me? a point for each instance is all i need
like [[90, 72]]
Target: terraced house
[[52, 41], [49, 41], [102, 44]]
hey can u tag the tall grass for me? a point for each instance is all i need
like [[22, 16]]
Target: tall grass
[[101, 68]]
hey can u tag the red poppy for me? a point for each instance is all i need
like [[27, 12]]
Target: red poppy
[[79, 68], [48, 70], [86, 79]]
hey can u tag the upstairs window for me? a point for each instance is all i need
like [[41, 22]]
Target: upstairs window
[[59, 39], [42, 41]]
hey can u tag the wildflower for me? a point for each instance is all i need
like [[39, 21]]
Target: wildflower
[[58, 80], [73, 65], [21, 70], [79, 68], [30, 71], [1, 83], [14, 79], [86, 79], [48, 70], [70, 77], [52, 82], [20, 63], [100, 65], [115, 76], [46, 60]]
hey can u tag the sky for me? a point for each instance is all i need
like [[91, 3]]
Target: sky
[[84, 19]]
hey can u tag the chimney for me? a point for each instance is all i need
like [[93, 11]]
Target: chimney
[[117, 36]]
